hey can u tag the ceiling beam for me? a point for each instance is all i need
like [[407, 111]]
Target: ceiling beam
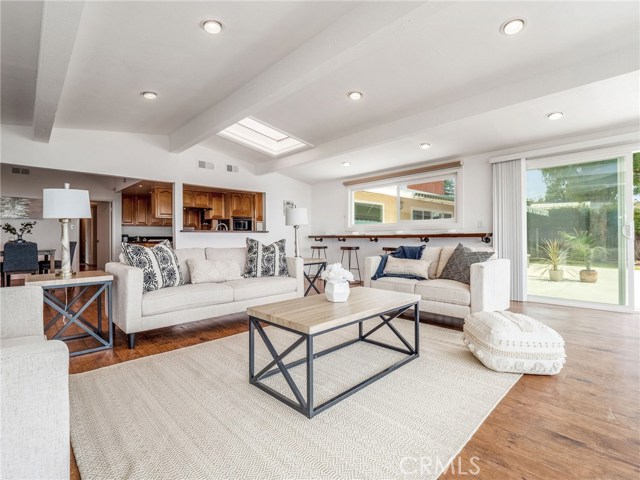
[[336, 46], [623, 62], [60, 23]]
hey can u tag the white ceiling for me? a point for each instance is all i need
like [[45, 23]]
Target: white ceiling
[[437, 72]]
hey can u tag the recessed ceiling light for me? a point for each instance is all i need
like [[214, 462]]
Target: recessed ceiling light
[[425, 146], [513, 26], [346, 164], [149, 95], [355, 95], [555, 115], [211, 26]]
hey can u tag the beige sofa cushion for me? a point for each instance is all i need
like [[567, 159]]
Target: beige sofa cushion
[[184, 254], [239, 255], [257, 287], [395, 284], [432, 254], [406, 266], [173, 299], [208, 271], [445, 291]]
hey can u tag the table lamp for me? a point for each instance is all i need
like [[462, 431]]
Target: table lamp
[[65, 204], [296, 217]]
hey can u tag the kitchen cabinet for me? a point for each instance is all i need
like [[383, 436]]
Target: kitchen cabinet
[[191, 218], [187, 198], [152, 220], [201, 199], [240, 204], [216, 205], [259, 204], [128, 206], [138, 210], [162, 202], [141, 211]]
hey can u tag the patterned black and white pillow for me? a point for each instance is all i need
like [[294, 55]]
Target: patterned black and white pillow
[[266, 260], [458, 266], [159, 265]]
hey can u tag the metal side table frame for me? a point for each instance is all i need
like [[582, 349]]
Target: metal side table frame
[[308, 262], [74, 316]]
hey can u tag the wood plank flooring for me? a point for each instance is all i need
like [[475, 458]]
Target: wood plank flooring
[[581, 424]]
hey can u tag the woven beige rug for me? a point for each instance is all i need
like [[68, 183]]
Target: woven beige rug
[[191, 413]]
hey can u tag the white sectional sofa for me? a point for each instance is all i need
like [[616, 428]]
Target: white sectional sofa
[[34, 407], [449, 301], [135, 312]]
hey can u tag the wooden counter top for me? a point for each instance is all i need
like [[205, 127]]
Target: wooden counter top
[[424, 237]]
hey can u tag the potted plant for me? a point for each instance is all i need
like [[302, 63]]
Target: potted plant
[[337, 286], [25, 227], [583, 249], [554, 255]]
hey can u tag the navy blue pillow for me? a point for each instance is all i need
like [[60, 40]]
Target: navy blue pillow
[[413, 253]]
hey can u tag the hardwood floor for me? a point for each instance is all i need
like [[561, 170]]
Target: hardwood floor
[[581, 424]]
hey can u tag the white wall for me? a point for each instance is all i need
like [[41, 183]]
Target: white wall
[[329, 210], [148, 157]]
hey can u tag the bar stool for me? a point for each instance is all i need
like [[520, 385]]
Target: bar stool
[[320, 249], [355, 251], [389, 249]]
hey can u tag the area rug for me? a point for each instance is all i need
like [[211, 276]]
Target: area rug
[[191, 413]]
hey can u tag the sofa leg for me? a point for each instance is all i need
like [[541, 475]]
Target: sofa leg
[[132, 339]]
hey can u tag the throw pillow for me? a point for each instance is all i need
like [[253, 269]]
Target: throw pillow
[[400, 252], [406, 268], [213, 271], [266, 260], [458, 267], [159, 265]]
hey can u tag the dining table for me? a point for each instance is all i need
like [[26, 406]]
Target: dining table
[[47, 253]]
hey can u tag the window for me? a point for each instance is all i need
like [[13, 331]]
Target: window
[[419, 201], [263, 138]]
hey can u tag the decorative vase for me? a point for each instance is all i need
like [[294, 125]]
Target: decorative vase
[[556, 275], [19, 239], [337, 292]]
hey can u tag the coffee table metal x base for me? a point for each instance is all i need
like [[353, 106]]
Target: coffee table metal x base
[[74, 317], [305, 403]]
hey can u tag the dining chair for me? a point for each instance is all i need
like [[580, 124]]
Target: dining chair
[[19, 258], [45, 265]]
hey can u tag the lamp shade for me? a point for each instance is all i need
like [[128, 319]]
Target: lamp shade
[[65, 203], [296, 216]]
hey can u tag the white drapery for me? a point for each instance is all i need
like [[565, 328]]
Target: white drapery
[[509, 221]]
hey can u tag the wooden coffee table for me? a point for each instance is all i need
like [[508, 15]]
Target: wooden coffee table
[[312, 316]]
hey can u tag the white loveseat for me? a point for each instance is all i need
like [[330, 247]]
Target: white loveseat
[[34, 406], [137, 312], [449, 301]]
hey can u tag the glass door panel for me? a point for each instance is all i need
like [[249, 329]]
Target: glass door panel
[[575, 244]]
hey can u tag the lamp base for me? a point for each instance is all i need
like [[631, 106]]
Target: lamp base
[[62, 274]]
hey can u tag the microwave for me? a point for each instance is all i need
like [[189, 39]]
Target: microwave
[[243, 224]]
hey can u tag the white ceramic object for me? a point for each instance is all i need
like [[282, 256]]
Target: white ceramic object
[[337, 292]]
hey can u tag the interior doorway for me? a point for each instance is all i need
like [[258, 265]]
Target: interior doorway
[[95, 237]]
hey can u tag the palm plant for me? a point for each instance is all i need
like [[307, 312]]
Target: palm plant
[[583, 248], [554, 254]]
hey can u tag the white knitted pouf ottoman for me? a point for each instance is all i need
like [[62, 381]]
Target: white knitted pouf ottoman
[[515, 343]]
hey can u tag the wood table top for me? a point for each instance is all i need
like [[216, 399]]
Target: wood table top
[[315, 314], [51, 279]]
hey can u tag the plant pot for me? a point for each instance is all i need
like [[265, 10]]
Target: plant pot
[[588, 276], [19, 239], [556, 275], [337, 292]]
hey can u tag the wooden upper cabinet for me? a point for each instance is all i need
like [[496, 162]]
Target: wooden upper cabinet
[[240, 204], [152, 220], [128, 206], [141, 212], [187, 198], [259, 206], [162, 202], [201, 199], [216, 203]]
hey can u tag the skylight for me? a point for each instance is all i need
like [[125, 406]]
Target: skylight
[[263, 138]]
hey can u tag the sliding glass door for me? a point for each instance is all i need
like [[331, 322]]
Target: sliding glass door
[[576, 235]]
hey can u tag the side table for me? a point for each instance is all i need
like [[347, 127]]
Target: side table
[[322, 264], [74, 315]]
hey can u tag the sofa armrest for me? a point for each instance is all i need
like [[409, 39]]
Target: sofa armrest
[[21, 310], [295, 265], [127, 296], [370, 267], [34, 405], [490, 285]]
